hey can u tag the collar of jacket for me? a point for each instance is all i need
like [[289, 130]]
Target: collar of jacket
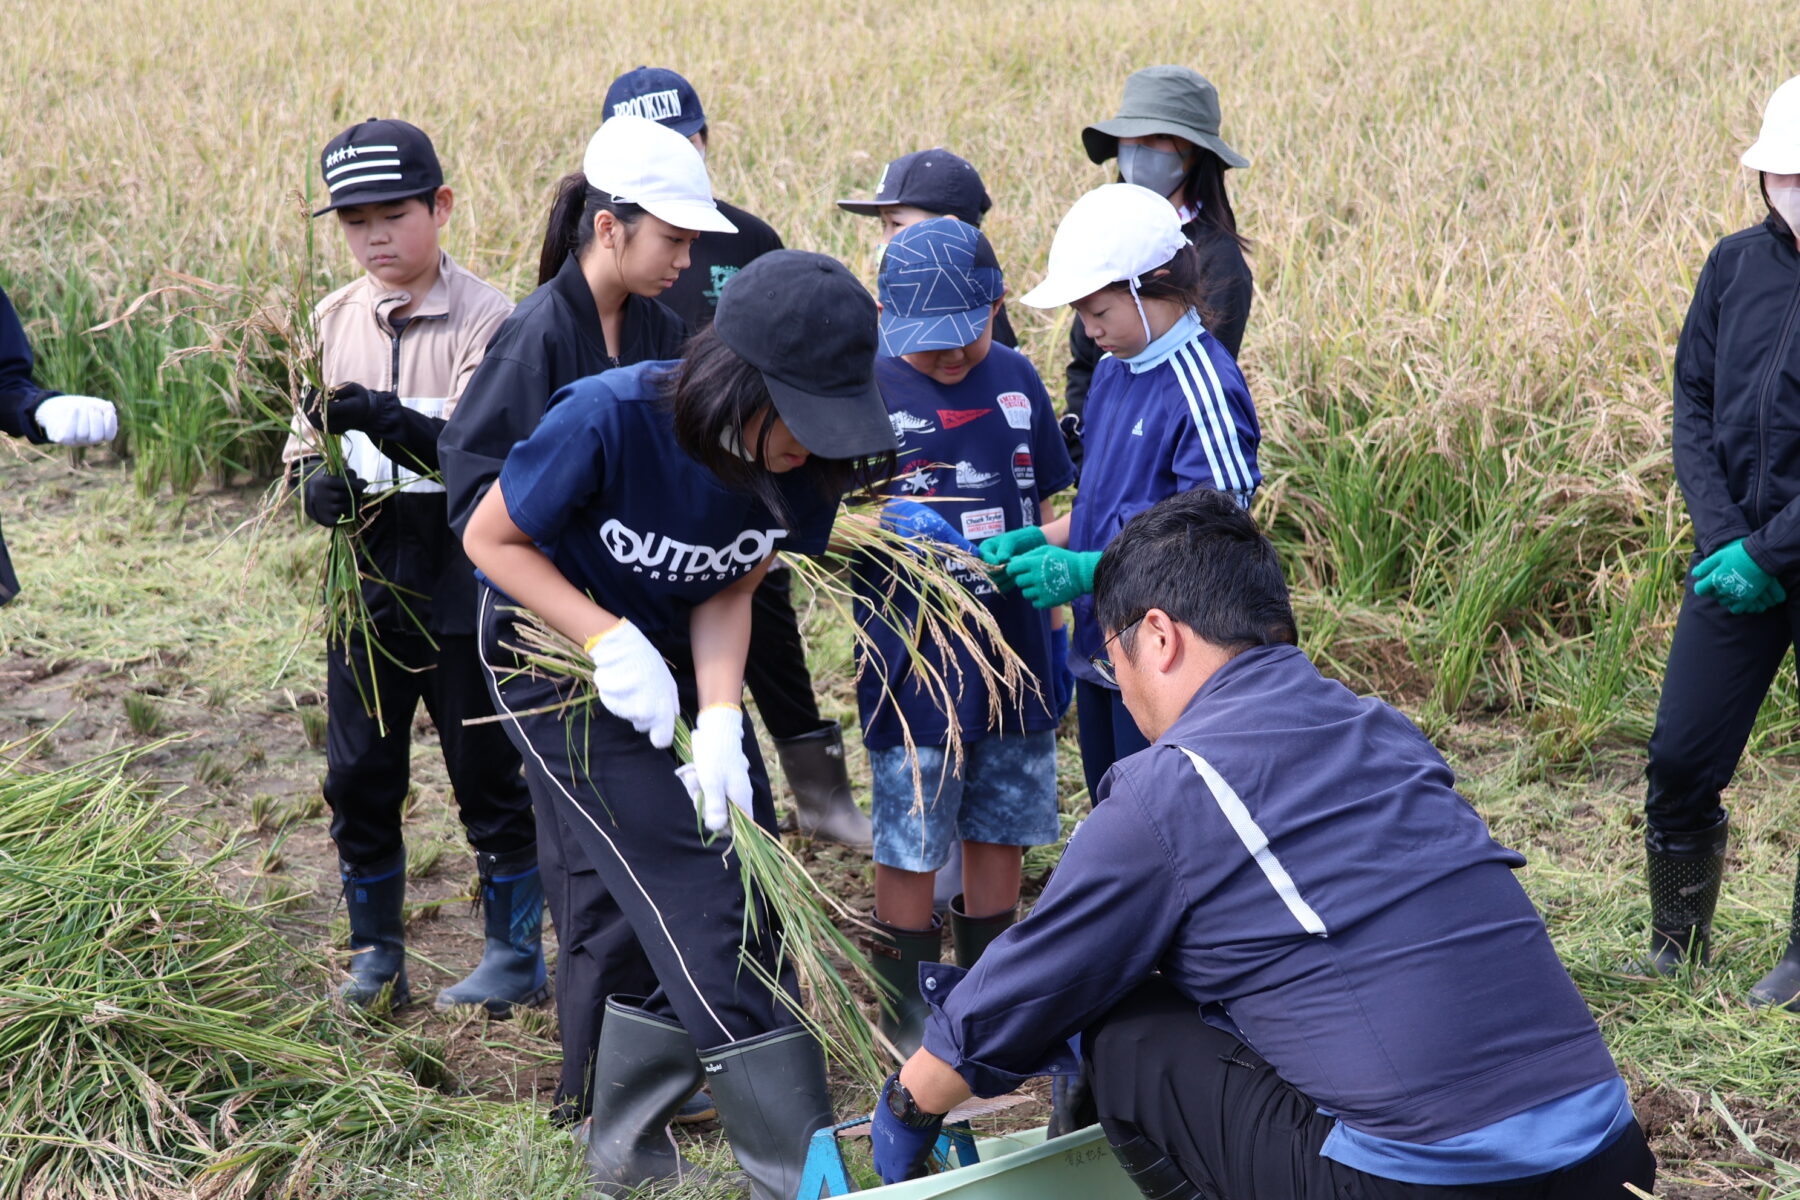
[[1239, 667], [634, 320], [435, 306], [1779, 228], [1185, 328]]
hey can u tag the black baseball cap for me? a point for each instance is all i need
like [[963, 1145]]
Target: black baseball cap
[[378, 162], [804, 321], [658, 94], [934, 180]]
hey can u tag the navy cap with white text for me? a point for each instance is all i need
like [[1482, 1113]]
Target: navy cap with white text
[[658, 94]]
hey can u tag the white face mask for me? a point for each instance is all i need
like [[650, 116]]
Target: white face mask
[[1786, 201]]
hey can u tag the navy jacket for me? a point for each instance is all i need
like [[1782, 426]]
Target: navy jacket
[[19, 397], [1295, 859], [1737, 399]]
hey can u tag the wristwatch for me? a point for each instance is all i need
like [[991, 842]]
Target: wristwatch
[[906, 1110]]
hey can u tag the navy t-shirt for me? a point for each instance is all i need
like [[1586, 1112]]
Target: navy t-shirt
[[627, 516], [981, 453]]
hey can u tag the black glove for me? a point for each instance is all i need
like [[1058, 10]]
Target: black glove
[[352, 406], [1071, 433], [330, 500]]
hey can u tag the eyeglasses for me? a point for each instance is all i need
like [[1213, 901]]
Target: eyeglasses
[[1102, 664]]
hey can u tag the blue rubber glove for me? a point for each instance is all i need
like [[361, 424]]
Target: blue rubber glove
[[1737, 580], [900, 1149], [1062, 681], [918, 522], [1050, 575], [1000, 549]]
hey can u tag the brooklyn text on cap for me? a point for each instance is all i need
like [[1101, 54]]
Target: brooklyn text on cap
[[1116, 232], [1167, 99], [657, 94], [939, 280], [1777, 147], [804, 321], [637, 161], [934, 180], [378, 162]]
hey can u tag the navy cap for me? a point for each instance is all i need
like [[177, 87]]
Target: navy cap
[[934, 180], [378, 162], [658, 94], [939, 280], [804, 321]]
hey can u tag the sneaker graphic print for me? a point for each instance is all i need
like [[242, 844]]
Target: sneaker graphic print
[[905, 423], [968, 477]]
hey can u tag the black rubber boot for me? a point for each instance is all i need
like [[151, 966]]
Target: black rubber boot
[[375, 896], [1781, 987], [972, 935], [772, 1096], [1071, 1104], [1154, 1172], [823, 805], [644, 1069], [1685, 871], [512, 965], [896, 953]]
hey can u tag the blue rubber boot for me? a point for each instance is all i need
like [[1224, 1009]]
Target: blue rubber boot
[[511, 970], [375, 896]]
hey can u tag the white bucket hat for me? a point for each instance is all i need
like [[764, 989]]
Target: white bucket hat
[[639, 161], [1777, 148], [1116, 233]]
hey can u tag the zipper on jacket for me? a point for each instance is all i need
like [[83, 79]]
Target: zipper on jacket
[[1765, 394]]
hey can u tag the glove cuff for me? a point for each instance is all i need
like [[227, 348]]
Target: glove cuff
[[591, 643]]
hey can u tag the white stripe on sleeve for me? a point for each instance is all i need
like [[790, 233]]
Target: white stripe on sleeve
[[1202, 426], [1257, 843], [1237, 447]]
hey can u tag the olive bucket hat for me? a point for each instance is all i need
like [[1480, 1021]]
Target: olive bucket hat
[[1168, 99]]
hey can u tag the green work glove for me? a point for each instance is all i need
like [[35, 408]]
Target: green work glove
[[1002, 548], [1050, 575], [1731, 575]]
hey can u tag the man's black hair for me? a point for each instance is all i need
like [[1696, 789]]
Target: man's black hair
[[1201, 559]]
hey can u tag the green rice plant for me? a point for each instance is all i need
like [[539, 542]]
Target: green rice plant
[[211, 770], [422, 859], [313, 718], [143, 714]]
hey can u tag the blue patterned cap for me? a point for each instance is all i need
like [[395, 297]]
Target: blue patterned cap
[[938, 282]]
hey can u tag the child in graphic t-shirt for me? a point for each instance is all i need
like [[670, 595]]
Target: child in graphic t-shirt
[[979, 453]]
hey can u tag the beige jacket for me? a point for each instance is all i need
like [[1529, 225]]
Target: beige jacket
[[428, 364]]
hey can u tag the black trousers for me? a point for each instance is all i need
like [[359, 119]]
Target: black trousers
[[367, 770], [1720, 669], [1238, 1131], [629, 820], [776, 671], [1106, 732]]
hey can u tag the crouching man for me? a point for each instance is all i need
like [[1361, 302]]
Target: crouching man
[[1298, 963]]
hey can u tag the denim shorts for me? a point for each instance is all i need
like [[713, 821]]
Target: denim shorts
[[1006, 795]]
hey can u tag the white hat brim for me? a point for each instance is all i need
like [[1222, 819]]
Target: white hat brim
[[1774, 159], [1058, 290], [697, 215]]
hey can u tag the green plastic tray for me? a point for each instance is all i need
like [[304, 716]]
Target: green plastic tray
[[1023, 1166]]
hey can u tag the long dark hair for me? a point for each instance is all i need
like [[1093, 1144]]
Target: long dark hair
[[1205, 188], [571, 225], [1181, 280], [712, 394]]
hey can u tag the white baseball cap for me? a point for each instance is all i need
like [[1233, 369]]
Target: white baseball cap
[[1116, 232], [1777, 148], [639, 161]]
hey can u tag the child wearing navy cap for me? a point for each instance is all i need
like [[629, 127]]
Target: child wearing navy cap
[[925, 184], [1168, 412], [638, 519], [397, 348], [979, 441]]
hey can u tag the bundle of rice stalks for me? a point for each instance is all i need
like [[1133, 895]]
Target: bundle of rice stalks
[[151, 1044]]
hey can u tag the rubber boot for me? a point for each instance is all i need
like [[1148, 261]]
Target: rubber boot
[[1154, 1172], [1685, 871], [1071, 1104], [644, 1069], [823, 805], [511, 970], [971, 935], [1782, 985], [375, 897], [772, 1097], [896, 953]]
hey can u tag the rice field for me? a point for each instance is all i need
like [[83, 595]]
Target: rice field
[[1476, 228]]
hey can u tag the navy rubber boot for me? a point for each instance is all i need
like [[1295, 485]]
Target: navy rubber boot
[[375, 896], [511, 971], [1781, 986]]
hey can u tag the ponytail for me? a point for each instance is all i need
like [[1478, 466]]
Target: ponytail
[[571, 226]]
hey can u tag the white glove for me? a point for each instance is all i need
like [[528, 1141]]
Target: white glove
[[78, 420], [719, 766], [634, 682]]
